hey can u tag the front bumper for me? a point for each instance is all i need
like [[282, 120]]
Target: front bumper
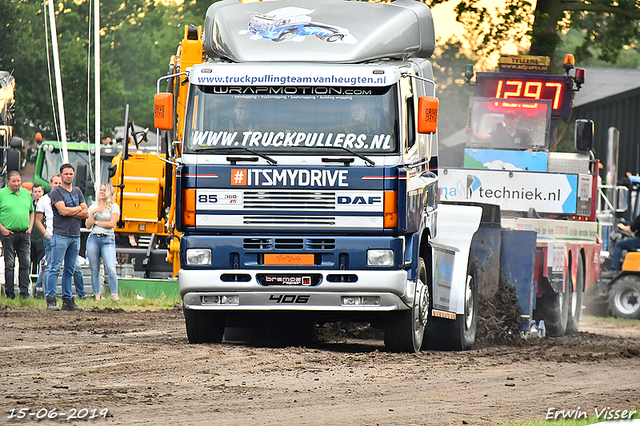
[[391, 288]]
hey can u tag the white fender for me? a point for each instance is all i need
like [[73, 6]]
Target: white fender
[[456, 226]]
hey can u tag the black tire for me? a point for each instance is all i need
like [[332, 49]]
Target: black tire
[[463, 334], [554, 311], [204, 326], [458, 334], [575, 300], [624, 298], [404, 330], [13, 159]]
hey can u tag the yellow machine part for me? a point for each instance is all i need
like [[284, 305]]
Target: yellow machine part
[[632, 261], [144, 182], [190, 52], [173, 255]]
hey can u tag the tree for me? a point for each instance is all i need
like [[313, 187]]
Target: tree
[[137, 40], [569, 42], [608, 25], [449, 63]]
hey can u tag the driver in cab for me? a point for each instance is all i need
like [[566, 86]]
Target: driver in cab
[[243, 118], [505, 135]]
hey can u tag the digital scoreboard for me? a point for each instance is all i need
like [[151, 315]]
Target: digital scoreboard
[[530, 86]]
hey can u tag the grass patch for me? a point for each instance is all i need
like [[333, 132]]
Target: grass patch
[[615, 322], [579, 422], [127, 302]]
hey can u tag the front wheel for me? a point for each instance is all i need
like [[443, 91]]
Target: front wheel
[[404, 330], [204, 326], [459, 334], [624, 298], [463, 335]]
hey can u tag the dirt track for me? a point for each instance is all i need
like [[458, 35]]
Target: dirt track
[[140, 367]]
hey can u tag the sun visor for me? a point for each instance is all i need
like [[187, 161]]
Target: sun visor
[[330, 31]]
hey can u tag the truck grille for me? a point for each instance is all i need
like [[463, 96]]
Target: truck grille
[[298, 200], [289, 221], [256, 243], [288, 243], [321, 243]]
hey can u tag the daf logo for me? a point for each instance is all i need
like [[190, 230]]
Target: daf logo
[[359, 200]]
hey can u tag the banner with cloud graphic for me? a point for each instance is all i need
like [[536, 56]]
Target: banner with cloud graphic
[[519, 191]]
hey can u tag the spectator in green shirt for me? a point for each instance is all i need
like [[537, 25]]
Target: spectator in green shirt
[[16, 221]]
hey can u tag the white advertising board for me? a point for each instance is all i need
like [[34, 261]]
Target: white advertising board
[[515, 191]]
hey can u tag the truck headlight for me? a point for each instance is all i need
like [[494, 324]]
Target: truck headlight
[[198, 256], [380, 257]]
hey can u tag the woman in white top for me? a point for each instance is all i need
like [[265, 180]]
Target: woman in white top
[[102, 220]]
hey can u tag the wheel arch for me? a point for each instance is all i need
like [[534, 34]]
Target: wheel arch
[[426, 254], [417, 246], [580, 260], [575, 258], [589, 254]]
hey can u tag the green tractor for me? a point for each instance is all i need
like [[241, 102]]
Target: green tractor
[[81, 155]]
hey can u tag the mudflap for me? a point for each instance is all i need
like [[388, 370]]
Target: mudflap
[[517, 269], [453, 318], [485, 248]]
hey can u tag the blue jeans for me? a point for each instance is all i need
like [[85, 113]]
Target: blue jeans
[[65, 249], [104, 246], [47, 257], [78, 279], [630, 244]]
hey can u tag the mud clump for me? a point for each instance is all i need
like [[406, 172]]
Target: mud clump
[[333, 331], [499, 319], [498, 323]]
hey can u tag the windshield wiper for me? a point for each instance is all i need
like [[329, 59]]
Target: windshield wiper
[[270, 160], [369, 162]]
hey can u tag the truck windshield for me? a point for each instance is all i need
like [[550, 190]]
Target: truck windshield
[[52, 161], [497, 124], [292, 120]]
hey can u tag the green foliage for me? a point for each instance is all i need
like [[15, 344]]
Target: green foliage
[[494, 31], [608, 28], [572, 41], [137, 40]]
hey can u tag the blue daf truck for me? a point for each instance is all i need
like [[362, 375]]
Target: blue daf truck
[[306, 187]]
